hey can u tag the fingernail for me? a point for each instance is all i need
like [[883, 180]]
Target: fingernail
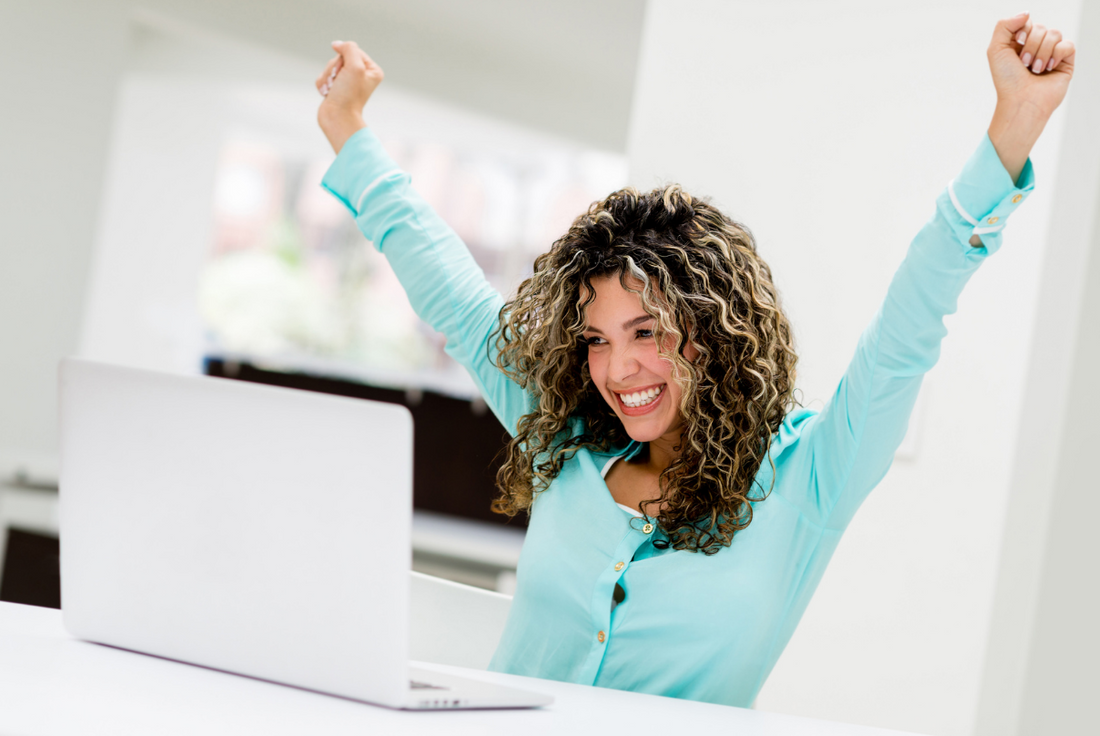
[[1038, 66], [1050, 64], [1026, 58], [1021, 38], [336, 42]]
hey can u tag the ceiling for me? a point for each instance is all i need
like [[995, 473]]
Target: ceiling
[[566, 67]]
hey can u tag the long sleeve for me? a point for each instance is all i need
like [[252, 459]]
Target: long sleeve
[[846, 449], [445, 285]]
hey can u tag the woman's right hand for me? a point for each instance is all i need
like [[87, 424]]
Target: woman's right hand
[[347, 82]]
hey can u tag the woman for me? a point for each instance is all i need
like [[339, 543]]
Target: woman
[[682, 509]]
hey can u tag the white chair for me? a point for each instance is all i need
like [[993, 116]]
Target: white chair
[[456, 624]]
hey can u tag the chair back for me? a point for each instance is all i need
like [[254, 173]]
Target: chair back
[[455, 624]]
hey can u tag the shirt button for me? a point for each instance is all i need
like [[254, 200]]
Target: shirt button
[[619, 566], [992, 220], [601, 636], [647, 529], [1017, 198]]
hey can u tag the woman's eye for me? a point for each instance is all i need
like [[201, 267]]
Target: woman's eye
[[592, 341], [644, 334]]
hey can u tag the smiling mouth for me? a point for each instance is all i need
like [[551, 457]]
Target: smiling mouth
[[640, 399]]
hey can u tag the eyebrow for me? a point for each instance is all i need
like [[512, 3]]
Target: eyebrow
[[626, 325]]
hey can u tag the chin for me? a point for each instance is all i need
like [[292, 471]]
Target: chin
[[644, 438], [644, 431]]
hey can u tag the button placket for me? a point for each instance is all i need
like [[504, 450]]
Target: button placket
[[602, 595]]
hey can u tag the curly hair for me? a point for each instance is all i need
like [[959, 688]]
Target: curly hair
[[699, 275]]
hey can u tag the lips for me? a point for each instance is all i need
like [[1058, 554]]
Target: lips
[[641, 401]]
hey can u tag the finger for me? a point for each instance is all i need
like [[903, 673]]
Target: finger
[[1006, 30], [1023, 33], [370, 66], [1034, 40], [367, 61], [350, 53], [1063, 54], [327, 72], [1046, 49], [332, 77]]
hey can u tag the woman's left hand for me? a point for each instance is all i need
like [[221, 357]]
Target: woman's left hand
[[1031, 64], [1026, 95]]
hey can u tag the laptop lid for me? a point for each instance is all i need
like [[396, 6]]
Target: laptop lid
[[253, 529]]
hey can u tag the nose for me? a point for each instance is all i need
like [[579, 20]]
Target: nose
[[622, 365]]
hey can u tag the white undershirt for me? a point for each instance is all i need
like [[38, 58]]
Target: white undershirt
[[624, 507]]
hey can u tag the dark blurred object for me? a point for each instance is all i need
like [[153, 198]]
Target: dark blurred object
[[456, 450], [32, 570]]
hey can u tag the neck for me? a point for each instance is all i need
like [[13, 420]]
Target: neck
[[663, 451]]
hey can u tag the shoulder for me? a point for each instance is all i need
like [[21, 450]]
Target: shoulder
[[794, 425]]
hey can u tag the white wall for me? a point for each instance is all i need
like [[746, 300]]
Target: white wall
[[58, 82], [1040, 667], [830, 129], [62, 64], [1061, 678]]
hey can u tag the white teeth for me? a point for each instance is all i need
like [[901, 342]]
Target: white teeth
[[641, 398]]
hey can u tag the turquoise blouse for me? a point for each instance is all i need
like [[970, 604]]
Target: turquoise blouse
[[691, 626]]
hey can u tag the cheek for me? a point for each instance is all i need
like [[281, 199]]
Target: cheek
[[665, 369], [690, 351], [597, 369], [675, 392]]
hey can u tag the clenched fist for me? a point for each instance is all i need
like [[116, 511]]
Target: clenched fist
[[347, 82], [1030, 63]]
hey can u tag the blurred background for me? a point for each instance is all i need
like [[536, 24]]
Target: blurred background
[[160, 208]]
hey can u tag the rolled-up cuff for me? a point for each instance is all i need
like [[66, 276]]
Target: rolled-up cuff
[[361, 166], [979, 201]]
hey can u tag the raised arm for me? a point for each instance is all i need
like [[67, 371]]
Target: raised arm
[[845, 450], [444, 284]]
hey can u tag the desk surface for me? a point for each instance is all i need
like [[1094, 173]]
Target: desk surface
[[51, 683]]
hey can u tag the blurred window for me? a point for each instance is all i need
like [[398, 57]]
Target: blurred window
[[290, 280]]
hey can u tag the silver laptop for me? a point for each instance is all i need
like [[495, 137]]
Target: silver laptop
[[252, 529]]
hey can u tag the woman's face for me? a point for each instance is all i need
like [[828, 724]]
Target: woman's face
[[626, 366]]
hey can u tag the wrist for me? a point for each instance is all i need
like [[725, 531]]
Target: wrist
[[338, 126], [1024, 114], [1015, 127]]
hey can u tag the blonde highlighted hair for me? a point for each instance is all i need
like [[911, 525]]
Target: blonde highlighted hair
[[700, 277]]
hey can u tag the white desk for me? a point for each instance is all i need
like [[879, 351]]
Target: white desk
[[51, 683]]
